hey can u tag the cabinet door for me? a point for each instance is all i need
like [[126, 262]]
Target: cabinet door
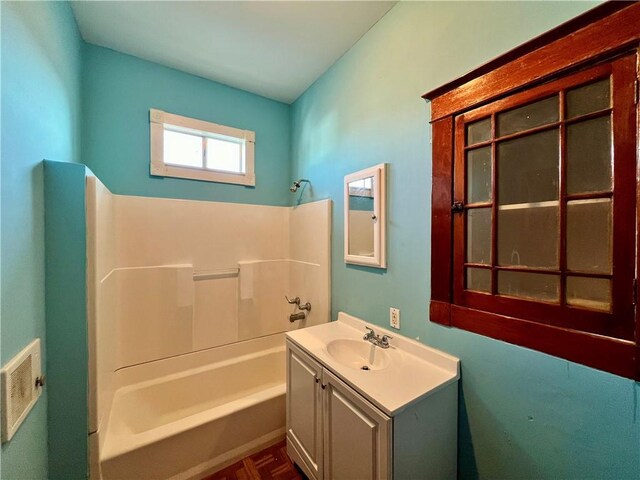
[[304, 411], [357, 436]]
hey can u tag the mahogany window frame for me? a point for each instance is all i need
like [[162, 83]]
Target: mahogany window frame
[[603, 41]]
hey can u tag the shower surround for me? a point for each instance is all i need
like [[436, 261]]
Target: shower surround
[[186, 320]]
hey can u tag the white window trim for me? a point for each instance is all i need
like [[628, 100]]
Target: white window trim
[[157, 122]]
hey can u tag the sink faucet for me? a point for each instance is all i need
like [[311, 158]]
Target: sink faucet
[[371, 336]]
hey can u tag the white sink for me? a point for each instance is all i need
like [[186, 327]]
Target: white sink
[[402, 374], [358, 354]]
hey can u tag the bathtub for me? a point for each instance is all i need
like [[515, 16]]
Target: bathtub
[[187, 417]]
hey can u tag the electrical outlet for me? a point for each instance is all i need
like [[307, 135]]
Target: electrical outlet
[[394, 318]]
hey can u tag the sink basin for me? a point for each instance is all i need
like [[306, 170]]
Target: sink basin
[[358, 354]]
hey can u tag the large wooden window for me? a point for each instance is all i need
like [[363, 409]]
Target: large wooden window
[[535, 195], [544, 226]]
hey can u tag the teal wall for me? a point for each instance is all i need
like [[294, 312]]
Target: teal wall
[[119, 90], [66, 299], [40, 119], [523, 414]]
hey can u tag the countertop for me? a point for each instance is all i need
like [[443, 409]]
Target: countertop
[[415, 371]]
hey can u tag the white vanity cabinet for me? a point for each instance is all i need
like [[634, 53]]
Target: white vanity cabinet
[[332, 432], [357, 436], [304, 411], [396, 420]]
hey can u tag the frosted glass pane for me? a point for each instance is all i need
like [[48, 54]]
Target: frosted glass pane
[[528, 168], [528, 116], [528, 236], [593, 293], [182, 149], [479, 235], [589, 233], [479, 175], [479, 279], [533, 286], [224, 155], [589, 156], [588, 98], [479, 131]]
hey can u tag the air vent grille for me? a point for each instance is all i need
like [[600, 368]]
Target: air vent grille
[[19, 390]]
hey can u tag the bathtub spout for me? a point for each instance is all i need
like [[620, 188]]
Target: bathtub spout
[[297, 316]]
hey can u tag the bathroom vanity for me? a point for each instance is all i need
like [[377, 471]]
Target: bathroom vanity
[[356, 410]]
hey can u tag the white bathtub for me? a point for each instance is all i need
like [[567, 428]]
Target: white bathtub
[[188, 423]]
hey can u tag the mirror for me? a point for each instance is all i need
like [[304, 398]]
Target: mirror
[[364, 217]]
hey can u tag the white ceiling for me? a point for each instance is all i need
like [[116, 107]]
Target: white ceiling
[[275, 49]]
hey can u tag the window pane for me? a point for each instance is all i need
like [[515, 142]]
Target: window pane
[[182, 149], [479, 235], [479, 131], [589, 156], [479, 279], [528, 168], [534, 286], [224, 155], [589, 233], [529, 116], [589, 98], [479, 175], [594, 293], [528, 235]]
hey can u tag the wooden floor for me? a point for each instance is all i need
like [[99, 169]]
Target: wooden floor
[[270, 463]]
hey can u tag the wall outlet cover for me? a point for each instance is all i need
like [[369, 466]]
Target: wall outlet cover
[[394, 318]]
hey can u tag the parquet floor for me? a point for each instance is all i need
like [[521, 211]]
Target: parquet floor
[[272, 463]]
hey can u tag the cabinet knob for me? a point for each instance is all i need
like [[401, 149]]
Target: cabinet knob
[[317, 379], [324, 386]]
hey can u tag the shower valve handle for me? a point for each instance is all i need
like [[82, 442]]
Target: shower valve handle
[[295, 300]]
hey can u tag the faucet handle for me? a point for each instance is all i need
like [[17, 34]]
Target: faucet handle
[[385, 339], [369, 334], [295, 300]]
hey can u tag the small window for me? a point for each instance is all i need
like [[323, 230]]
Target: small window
[[184, 147]]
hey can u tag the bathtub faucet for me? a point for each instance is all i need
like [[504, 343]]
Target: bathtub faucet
[[297, 316]]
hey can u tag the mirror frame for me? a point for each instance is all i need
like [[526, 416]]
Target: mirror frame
[[379, 258]]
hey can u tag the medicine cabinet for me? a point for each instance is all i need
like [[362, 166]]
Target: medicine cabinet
[[364, 217]]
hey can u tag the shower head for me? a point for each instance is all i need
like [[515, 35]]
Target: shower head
[[296, 185]]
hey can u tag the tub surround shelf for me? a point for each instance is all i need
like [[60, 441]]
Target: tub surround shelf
[[213, 274], [414, 371]]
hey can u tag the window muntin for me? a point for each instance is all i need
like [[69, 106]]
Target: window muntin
[[188, 148], [538, 168]]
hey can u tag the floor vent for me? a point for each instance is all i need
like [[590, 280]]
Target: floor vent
[[21, 382]]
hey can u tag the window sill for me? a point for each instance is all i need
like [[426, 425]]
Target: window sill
[[204, 175], [596, 351]]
